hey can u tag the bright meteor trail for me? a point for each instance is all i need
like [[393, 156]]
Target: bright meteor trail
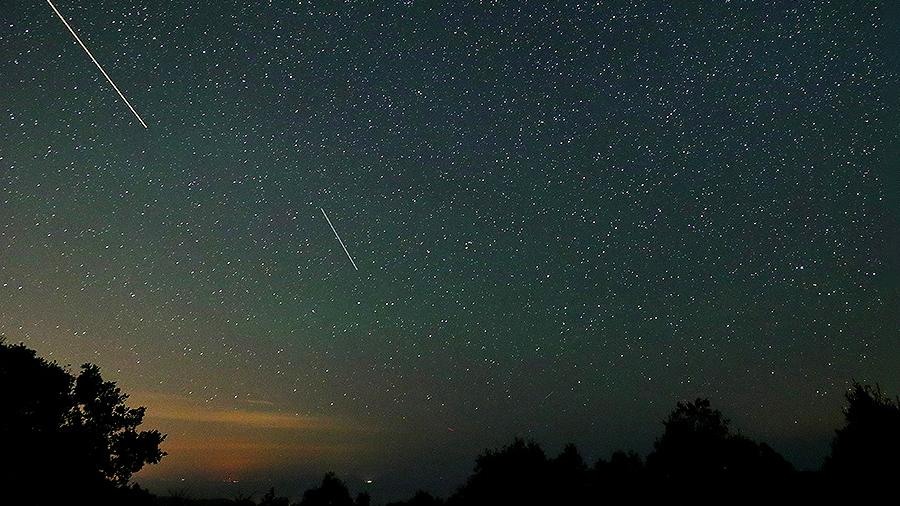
[[86, 50], [339, 239]]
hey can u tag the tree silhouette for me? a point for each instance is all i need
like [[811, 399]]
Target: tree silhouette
[[868, 446], [332, 492], [619, 478], [568, 476], [515, 474], [697, 445], [363, 499], [421, 498], [621, 465], [66, 436], [270, 499]]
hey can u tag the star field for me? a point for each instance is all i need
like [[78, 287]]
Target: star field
[[566, 217]]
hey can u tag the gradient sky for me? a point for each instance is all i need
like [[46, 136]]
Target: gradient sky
[[566, 217]]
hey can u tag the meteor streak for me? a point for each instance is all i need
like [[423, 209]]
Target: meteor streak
[[339, 239], [86, 50]]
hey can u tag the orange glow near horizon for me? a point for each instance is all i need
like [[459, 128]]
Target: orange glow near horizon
[[214, 443]]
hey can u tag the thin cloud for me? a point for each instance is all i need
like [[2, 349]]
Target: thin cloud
[[171, 407], [223, 441]]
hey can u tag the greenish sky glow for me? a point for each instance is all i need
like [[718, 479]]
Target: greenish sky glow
[[565, 216]]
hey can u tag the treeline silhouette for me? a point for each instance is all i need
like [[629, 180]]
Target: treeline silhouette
[[72, 440]]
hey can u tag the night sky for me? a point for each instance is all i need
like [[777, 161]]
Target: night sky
[[566, 217]]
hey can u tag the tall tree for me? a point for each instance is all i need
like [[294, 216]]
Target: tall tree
[[66, 436]]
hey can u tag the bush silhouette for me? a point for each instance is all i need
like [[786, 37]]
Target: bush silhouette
[[67, 436], [868, 446]]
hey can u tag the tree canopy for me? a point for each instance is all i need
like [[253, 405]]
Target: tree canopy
[[697, 444], [869, 443], [74, 432]]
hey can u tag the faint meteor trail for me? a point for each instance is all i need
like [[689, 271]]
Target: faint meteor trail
[[86, 50], [338, 238]]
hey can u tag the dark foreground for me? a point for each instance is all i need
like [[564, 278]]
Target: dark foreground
[[71, 440]]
